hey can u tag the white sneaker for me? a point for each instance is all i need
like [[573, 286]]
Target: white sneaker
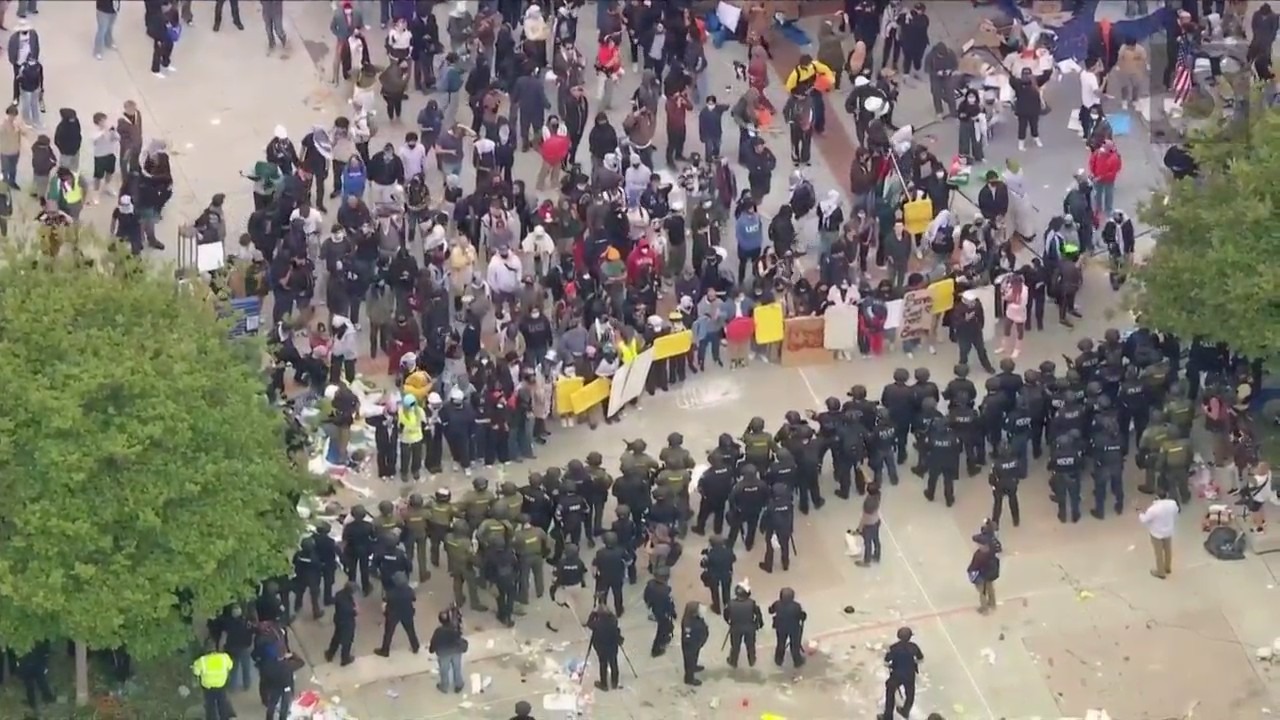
[[1037, 142], [159, 75], [911, 356], [1022, 145], [98, 55], [933, 350], [171, 68]]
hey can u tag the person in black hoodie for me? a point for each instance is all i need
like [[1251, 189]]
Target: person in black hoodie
[[575, 116], [782, 231], [68, 138], [277, 682], [385, 170], [602, 140], [993, 198], [158, 23], [1027, 106], [317, 152]]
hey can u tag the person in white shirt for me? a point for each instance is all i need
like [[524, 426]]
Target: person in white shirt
[[1159, 519], [1090, 95], [413, 155]]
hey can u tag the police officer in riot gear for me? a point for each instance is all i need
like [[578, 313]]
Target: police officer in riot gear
[[629, 534], [778, 521], [806, 448], [903, 658], [1108, 466], [1036, 399], [1087, 362], [943, 461], [570, 516], [730, 451], [746, 503], [863, 409], [391, 560], [1135, 407], [440, 516], [960, 389], [569, 572], [782, 470], [714, 487], [851, 452], [963, 418], [306, 576], [476, 503], [1007, 471], [1065, 466], [633, 491], [674, 455], [537, 503], [657, 597], [991, 412], [1008, 380], [596, 492], [1017, 431], [357, 546], [922, 426], [532, 547], [415, 535], [327, 555], [717, 571], [610, 566], [898, 398], [1174, 464], [882, 449], [829, 421], [758, 445], [461, 562], [788, 625], [745, 620], [1149, 446]]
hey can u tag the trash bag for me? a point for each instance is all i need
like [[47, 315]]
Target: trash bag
[[1225, 543]]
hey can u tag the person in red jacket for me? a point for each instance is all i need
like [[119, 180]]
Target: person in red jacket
[[1104, 167], [554, 150], [640, 261]]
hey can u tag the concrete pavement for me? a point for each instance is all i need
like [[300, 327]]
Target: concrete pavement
[[1081, 624]]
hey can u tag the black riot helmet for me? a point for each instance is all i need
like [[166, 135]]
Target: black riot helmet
[[992, 384], [961, 370], [833, 405], [1048, 368], [1007, 365], [922, 375], [901, 375], [858, 392], [1085, 345], [675, 439], [757, 424], [793, 417]]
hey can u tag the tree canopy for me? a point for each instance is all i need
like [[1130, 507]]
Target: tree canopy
[[137, 458], [1215, 268]]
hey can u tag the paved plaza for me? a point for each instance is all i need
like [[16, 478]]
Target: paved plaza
[[1081, 624]]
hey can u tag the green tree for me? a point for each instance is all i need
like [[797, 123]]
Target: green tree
[[1215, 267], [137, 458]]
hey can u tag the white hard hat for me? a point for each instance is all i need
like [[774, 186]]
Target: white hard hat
[[456, 394], [433, 399], [874, 105]]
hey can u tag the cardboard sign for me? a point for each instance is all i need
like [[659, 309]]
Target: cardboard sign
[[917, 315], [637, 374], [672, 345], [769, 323], [803, 340], [618, 389], [841, 328], [590, 396]]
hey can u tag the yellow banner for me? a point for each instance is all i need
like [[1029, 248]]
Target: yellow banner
[[590, 396], [672, 345], [943, 295], [916, 215], [565, 388], [768, 323]]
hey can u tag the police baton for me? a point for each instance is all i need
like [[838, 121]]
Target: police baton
[[794, 550]]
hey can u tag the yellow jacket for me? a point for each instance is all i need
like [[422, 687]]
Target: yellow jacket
[[418, 384], [808, 73]]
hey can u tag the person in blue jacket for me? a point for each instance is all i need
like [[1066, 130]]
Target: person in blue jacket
[[749, 231]]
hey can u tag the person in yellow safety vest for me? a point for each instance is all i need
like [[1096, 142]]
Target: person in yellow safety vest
[[628, 350], [410, 420], [806, 73], [213, 669]]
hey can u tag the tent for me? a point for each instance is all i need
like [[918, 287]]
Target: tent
[[1074, 34]]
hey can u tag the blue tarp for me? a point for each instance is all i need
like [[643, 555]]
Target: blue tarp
[[1073, 36]]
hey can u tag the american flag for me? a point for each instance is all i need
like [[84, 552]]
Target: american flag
[[1182, 77]]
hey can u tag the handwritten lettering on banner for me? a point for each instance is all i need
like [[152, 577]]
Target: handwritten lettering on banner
[[804, 342], [917, 315]]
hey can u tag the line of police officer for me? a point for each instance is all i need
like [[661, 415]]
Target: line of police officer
[[1112, 394]]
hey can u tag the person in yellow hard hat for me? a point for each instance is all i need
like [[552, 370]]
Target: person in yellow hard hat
[[213, 669]]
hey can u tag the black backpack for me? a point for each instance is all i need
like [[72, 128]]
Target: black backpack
[[802, 199]]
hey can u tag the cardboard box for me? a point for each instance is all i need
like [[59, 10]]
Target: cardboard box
[[1046, 7]]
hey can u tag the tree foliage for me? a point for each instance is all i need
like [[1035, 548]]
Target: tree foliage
[[1215, 268], [137, 458]]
